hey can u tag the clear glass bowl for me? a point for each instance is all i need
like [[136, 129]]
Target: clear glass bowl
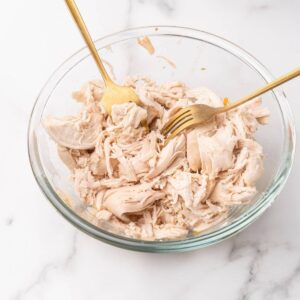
[[202, 59]]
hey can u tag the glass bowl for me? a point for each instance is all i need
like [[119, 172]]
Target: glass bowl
[[202, 59]]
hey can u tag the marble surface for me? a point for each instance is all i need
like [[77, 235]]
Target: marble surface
[[44, 257]]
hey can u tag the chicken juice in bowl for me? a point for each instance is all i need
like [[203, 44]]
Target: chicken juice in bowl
[[125, 186]]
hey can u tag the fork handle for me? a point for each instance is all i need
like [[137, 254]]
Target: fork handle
[[87, 38], [263, 89]]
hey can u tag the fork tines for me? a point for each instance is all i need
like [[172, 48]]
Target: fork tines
[[181, 117]]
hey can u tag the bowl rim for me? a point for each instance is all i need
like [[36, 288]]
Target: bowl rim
[[218, 235]]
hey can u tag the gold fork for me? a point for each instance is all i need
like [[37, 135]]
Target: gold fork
[[197, 114], [114, 93]]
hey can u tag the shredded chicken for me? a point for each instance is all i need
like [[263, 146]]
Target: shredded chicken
[[146, 43], [138, 187]]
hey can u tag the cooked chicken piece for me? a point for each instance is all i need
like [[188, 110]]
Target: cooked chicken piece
[[145, 159], [67, 158], [173, 152], [254, 163], [90, 92], [146, 43], [170, 232], [134, 186], [216, 152], [130, 199], [125, 167], [104, 215], [193, 146], [261, 114], [74, 132], [191, 187], [128, 115], [97, 164], [154, 109], [229, 193], [203, 95]]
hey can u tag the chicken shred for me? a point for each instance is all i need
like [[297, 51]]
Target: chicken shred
[[143, 190]]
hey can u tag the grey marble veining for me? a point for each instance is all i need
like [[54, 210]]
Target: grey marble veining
[[42, 275], [167, 6]]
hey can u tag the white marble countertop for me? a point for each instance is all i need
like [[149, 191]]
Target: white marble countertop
[[43, 256]]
